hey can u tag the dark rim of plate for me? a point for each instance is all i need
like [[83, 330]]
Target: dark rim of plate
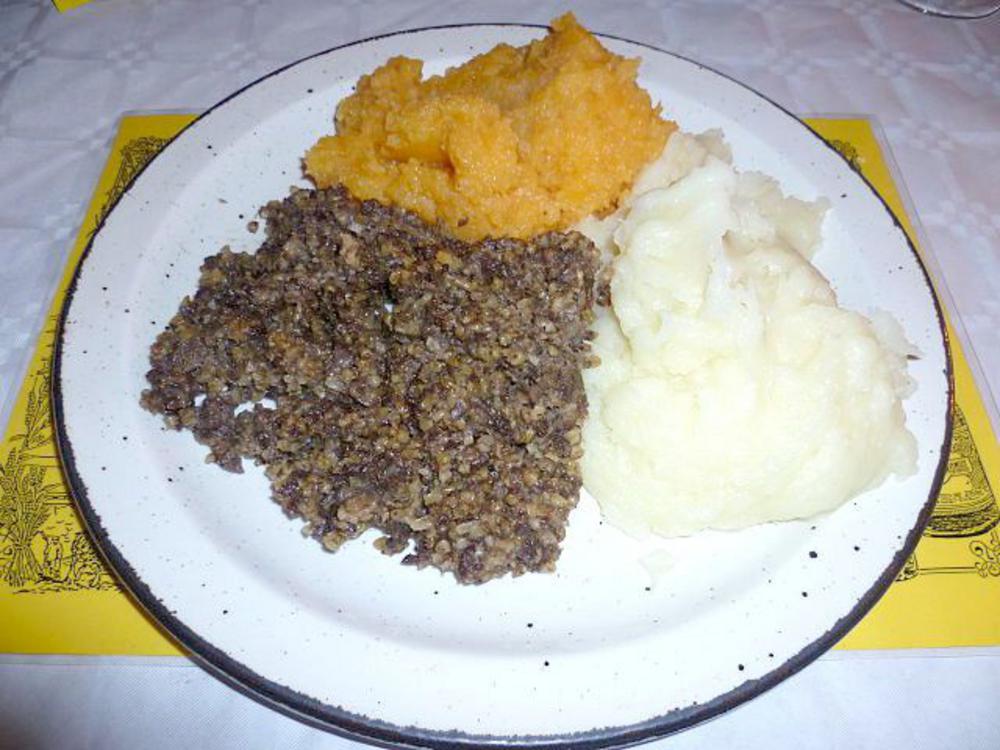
[[367, 729]]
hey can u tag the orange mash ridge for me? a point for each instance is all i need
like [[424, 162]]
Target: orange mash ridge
[[515, 142]]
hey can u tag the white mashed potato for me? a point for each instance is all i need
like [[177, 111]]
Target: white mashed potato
[[732, 389]]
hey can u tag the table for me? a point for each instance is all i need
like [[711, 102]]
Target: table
[[933, 85]]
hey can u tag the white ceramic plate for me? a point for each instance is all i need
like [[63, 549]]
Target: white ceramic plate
[[592, 655]]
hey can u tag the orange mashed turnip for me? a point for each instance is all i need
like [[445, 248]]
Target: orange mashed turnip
[[515, 142]]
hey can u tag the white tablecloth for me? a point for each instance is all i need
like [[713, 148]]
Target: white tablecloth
[[933, 84]]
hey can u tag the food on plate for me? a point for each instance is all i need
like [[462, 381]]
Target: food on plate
[[408, 350], [391, 377], [515, 142], [732, 389]]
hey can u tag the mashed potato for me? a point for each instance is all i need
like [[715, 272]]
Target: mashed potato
[[732, 389], [515, 142]]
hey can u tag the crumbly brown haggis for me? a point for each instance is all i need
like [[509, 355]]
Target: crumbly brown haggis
[[422, 386]]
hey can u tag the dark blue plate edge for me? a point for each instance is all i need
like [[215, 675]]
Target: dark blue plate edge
[[367, 729]]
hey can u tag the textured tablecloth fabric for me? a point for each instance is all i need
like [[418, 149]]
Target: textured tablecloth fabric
[[933, 85], [943, 700]]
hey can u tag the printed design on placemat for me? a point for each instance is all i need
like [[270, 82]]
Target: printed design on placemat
[[849, 152], [988, 553], [966, 507], [984, 561], [43, 547], [135, 155]]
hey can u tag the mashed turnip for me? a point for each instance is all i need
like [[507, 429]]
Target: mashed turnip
[[514, 142], [732, 389]]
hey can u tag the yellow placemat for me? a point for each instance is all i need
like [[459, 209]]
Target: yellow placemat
[[57, 597], [949, 592], [63, 5]]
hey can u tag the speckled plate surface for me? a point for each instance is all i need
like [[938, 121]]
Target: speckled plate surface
[[593, 655]]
